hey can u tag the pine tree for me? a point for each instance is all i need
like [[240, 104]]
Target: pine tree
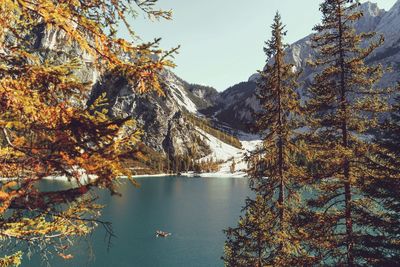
[[342, 106], [45, 130], [268, 234]]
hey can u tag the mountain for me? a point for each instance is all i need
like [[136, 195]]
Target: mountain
[[235, 105], [203, 96], [196, 121], [387, 23], [171, 123], [163, 119]]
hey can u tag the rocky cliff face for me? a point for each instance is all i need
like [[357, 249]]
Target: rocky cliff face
[[165, 127], [375, 19], [54, 45]]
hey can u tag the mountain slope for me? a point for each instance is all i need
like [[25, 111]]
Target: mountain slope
[[162, 118], [235, 105], [375, 19]]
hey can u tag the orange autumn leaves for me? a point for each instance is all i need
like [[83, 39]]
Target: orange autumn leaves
[[6, 195], [46, 129]]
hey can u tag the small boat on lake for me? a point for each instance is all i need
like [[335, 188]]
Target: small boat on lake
[[193, 175], [162, 234]]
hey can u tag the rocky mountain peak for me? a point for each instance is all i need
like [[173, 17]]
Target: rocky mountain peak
[[371, 9], [372, 16]]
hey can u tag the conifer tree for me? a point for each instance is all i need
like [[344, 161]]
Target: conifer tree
[[382, 247], [342, 106], [267, 234], [45, 130], [232, 168]]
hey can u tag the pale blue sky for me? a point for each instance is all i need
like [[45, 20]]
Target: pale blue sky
[[222, 40]]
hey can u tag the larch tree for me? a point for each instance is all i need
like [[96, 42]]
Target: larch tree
[[343, 105], [268, 235], [382, 246], [46, 130]]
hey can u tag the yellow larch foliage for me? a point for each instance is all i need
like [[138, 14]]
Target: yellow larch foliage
[[45, 127]]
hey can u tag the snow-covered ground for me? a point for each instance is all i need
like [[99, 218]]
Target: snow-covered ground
[[227, 153], [221, 152]]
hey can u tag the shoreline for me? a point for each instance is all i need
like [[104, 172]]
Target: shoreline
[[216, 175], [193, 175]]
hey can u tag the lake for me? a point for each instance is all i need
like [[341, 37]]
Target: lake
[[194, 210]]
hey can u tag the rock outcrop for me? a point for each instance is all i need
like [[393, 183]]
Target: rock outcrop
[[161, 117]]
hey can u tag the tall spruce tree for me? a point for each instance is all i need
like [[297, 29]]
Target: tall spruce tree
[[266, 234], [342, 106]]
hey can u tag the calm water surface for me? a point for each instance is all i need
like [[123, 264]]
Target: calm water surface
[[194, 210]]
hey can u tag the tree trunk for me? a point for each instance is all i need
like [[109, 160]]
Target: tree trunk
[[346, 166], [281, 199]]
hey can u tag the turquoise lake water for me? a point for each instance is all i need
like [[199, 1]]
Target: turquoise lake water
[[194, 210]]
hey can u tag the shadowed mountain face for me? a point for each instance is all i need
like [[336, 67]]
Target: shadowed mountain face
[[234, 106]]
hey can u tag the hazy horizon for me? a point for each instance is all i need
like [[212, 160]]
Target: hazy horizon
[[222, 44]]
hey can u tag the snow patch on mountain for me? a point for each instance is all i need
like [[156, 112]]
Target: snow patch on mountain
[[220, 150], [227, 153]]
